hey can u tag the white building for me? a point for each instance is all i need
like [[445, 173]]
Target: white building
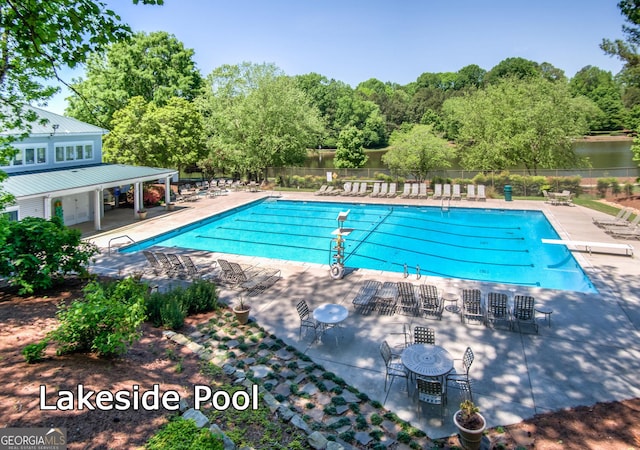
[[58, 170]]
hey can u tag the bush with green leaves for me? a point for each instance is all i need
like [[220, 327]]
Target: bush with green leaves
[[168, 309], [36, 253], [184, 434], [106, 321]]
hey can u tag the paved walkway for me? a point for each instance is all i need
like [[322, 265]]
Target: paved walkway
[[591, 352]]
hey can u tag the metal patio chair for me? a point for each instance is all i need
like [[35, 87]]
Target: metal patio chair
[[472, 307], [393, 366], [498, 309], [306, 320], [458, 378], [524, 312]]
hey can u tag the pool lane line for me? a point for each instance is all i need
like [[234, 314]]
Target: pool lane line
[[369, 233], [467, 247], [460, 234], [456, 224], [268, 244]]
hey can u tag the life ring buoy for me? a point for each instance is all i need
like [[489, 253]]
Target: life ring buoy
[[337, 271]]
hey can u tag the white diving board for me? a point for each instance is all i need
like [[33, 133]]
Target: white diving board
[[628, 249]]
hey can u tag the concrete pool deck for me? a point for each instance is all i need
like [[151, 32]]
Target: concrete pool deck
[[590, 354]]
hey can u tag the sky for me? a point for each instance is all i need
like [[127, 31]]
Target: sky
[[393, 41]]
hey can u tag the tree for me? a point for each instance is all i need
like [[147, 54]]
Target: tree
[[350, 151], [155, 66], [512, 68], [37, 39], [160, 136], [517, 121], [255, 117], [627, 50], [417, 150], [599, 86]]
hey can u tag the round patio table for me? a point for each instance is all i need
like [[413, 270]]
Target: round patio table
[[330, 315], [427, 360]]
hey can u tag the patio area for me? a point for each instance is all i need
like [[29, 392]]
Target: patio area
[[589, 354]]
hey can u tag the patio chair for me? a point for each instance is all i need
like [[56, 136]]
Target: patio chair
[[498, 309], [227, 270], [355, 188], [375, 191], [407, 298], [625, 233], [456, 193], [384, 188], [424, 335], [346, 188], [306, 321], [178, 268], [167, 266], [393, 366], [549, 198], [471, 192], [458, 378], [620, 220], [191, 269], [322, 190], [524, 312], [392, 190], [472, 308], [363, 190], [431, 391], [430, 302], [404, 342], [260, 281], [481, 192], [437, 191], [415, 190], [364, 301], [629, 226]]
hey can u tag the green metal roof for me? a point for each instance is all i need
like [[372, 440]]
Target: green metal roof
[[80, 179], [64, 125]]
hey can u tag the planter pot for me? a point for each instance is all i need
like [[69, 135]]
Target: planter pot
[[142, 215], [470, 439], [242, 315], [171, 206]]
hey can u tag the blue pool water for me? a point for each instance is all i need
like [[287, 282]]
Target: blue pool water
[[501, 246]]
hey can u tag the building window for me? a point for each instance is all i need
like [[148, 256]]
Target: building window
[[11, 213], [74, 152]]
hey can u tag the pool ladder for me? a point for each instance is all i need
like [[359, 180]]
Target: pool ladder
[[119, 237], [445, 207]]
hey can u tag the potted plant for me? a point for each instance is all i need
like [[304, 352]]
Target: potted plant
[[471, 425], [241, 310], [142, 213]]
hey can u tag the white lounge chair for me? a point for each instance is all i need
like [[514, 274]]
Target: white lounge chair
[[437, 191], [620, 220], [384, 187], [446, 191], [415, 190], [456, 193], [355, 188], [392, 190], [471, 192], [406, 192], [423, 191], [375, 192], [322, 190], [481, 192], [346, 188], [363, 190]]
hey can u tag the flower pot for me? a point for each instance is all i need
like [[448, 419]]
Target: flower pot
[[470, 439], [142, 214], [242, 315], [171, 206]]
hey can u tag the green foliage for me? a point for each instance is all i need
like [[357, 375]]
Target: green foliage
[[36, 253], [35, 352], [168, 309], [106, 321], [350, 151], [603, 185], [417, 151], [154, 66], [181, 434]]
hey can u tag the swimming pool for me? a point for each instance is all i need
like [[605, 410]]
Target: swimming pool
[[501, 246]]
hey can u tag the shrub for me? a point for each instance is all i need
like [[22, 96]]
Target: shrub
[[36, 253], [106, 321], [184, 434], [33, 353], [168, 309]]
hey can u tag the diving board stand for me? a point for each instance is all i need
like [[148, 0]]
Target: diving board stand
[[589, 246]]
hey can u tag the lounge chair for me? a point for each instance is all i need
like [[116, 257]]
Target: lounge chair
[[346, 188], [167, 267], [192, 270], [364, 301], [623, 226], [322, 190], [498, 309], [330, 190], [261, 281], [625, 233], [481, 192], [363, 190], [430, 302], [407, 297], [153, 262], [471, 192], [524, 312], [392, 190], [415, 190], [456, 193], [178, 268], [423, 193], [437, 191], [621, 219], [384, 187], [375, 191], [386, 298], [406, 191], [472, 307], [446, 191], [355, 188]]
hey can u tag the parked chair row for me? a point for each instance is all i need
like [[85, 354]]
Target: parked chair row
[[175, 265], [410, 190], [497, 310]]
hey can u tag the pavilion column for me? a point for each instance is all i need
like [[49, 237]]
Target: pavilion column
[[47, 207], [137, 196], [97, 209], [167, 191]]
